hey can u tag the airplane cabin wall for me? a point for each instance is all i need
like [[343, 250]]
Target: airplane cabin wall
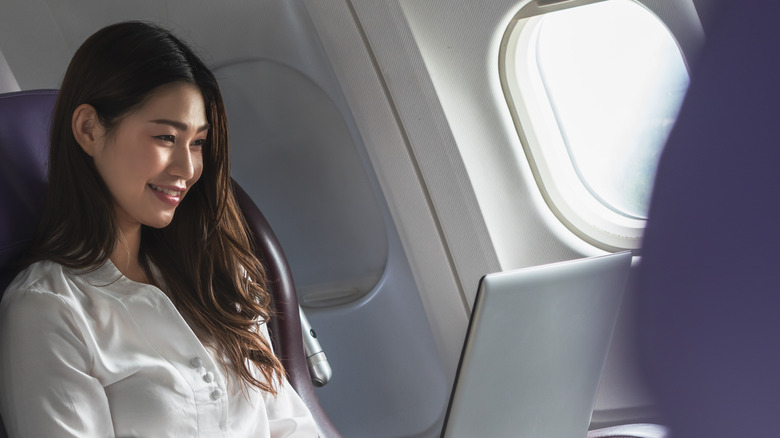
[[7, 79], [435, 68]]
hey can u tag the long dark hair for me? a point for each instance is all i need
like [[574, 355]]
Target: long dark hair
[[204, 256]]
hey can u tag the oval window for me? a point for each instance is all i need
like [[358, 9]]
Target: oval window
[[599, 86]]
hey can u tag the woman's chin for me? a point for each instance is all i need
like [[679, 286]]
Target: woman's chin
[[160, 222]]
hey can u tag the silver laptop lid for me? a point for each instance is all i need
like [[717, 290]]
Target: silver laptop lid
[[535, 350]]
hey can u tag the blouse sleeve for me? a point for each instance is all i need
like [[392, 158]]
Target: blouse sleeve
[[44, 370], [288, 416]]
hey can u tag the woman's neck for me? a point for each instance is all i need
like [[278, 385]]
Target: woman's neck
[[125, 254]]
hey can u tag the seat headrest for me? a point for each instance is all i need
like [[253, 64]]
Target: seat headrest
[[25, 118]]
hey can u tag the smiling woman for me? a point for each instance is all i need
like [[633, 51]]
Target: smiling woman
[[141, 235], [153, 156]]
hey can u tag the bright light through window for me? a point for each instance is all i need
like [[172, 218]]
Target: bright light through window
[[615, 78]]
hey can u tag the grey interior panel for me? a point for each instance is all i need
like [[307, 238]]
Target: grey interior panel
[[294, 154]]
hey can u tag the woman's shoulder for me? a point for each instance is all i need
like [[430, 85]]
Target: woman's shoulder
[[40, 291], [41, 275], [41, 278], [47, 289]]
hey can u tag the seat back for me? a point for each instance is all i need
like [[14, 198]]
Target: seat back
[[24, 138], [25, 118], [707, 308], [285, 325]]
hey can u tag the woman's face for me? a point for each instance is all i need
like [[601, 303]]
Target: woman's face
[[154, 156]]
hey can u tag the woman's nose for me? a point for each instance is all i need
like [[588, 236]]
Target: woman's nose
[[182, 162]]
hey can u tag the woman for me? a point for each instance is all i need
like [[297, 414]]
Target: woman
[[130, 320]]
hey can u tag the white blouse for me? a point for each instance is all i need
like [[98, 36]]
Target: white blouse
[[99, 355]]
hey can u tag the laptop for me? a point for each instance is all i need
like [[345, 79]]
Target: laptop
[[535, 349]]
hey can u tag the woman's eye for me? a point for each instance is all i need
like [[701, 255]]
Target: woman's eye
[[167, 138], [199, 143]]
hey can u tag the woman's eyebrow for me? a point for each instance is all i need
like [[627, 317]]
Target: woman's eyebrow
[[178, 125]]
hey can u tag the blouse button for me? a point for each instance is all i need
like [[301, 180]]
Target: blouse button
[[216, 394], [196, 362], [208, 377]]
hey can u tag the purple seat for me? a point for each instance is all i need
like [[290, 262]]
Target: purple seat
[[710, 274], [24, 140], [24, 127]]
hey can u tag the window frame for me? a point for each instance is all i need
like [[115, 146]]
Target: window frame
[[563, 191]]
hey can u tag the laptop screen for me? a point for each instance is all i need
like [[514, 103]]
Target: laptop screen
[[535, 349]]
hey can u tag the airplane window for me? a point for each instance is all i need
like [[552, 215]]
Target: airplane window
[[600, 87]]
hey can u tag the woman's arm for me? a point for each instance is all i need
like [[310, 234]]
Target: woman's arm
[[47, 389]]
